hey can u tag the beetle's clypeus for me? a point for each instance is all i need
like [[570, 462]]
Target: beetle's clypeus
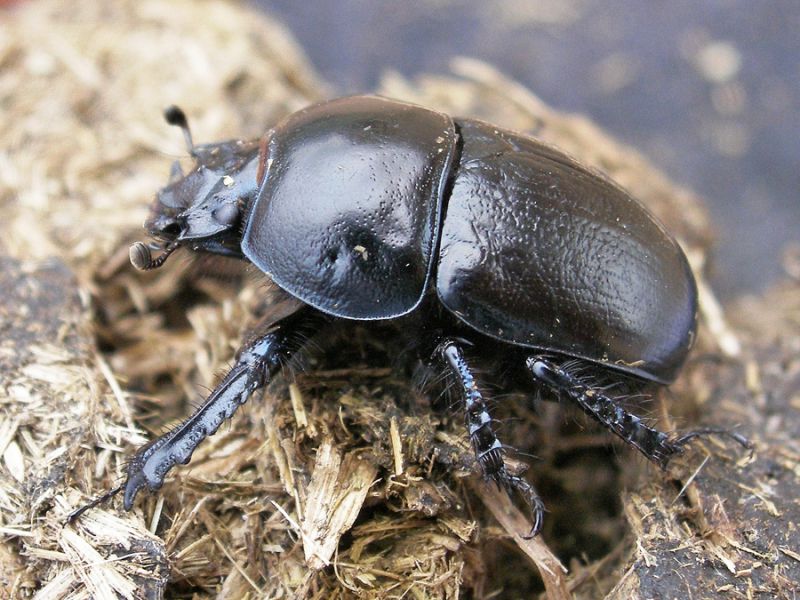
[[365, 208]]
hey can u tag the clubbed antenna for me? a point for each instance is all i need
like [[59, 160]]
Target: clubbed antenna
[[175, 116]]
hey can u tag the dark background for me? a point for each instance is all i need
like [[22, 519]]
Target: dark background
[[708, 90]]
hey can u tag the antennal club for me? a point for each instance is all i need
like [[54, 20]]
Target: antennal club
[[142, 259], [175, 116]]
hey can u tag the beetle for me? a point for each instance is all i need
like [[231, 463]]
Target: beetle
[[365, 208]]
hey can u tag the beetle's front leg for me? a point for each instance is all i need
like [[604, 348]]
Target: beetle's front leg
[[489, 451], [255, 365]]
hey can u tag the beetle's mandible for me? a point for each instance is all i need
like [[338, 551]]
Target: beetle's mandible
[[366, 208]]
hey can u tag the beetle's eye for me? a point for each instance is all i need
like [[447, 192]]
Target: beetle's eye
[[226, 214]]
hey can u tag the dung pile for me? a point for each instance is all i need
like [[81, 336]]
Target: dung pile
[[338, 481]]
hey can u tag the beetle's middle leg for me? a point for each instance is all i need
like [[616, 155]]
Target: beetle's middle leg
[[489, 451], [656, 445]]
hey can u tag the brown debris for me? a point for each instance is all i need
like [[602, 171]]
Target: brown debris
[[338, 481], [335, 495], [553, 573]]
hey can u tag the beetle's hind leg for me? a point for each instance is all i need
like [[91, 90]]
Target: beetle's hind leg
[[656, 445], [489, 451]]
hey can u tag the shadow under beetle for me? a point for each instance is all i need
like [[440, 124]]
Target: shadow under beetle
[[365, 208]]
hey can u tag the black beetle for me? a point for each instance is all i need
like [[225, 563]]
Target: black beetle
[[366, 208]]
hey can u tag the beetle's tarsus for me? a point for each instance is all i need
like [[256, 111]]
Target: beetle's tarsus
[[92, 503], [736, 437], [514, 483], [489, 451]]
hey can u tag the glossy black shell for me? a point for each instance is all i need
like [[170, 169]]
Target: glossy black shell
[[366, 201], [349, 214]]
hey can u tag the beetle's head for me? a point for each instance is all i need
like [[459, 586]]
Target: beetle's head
[[201, 209]]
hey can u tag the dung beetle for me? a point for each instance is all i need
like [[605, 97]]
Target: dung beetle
[[365, 208]]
